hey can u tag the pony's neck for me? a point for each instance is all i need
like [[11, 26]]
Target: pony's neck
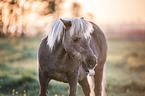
[[59, 50], [63, 57]]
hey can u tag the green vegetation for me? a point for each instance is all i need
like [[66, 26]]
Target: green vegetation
[[125, 69]]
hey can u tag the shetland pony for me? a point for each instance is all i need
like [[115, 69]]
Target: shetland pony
[[72, 49]]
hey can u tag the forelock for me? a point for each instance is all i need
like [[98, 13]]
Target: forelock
[[81, 27], [78, 27]]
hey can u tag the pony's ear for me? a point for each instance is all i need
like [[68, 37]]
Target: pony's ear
[[67, 23], [82, 18]]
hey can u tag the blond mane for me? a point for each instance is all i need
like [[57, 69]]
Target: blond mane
[[79, 27]]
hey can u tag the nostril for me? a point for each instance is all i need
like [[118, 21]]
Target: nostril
[[91, 62]]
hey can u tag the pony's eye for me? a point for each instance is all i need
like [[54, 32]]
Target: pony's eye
[[76, 39]]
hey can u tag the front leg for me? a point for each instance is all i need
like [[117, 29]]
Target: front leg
[[43, 83], [72, 80], [85, 86]]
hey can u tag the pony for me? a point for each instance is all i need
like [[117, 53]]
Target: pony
[[72, 49]]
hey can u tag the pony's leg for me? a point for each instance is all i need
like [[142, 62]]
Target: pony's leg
[[43, 83], [98, 81], [85, 86], [72, 80]]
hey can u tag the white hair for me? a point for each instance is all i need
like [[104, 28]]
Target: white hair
[[79, 27]]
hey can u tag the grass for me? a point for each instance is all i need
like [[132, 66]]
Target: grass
[[125, 69]]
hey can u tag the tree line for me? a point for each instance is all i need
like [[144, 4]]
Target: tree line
[[13, 13]]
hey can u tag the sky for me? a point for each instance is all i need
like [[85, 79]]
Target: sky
[[114, 11]]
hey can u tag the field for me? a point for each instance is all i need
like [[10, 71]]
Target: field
[[125, 69]]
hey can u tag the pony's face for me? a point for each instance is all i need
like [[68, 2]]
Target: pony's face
[[77, 46]]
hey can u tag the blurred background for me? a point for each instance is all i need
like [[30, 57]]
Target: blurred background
[[23, 23]]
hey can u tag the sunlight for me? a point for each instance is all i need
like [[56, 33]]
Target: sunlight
[[112, 11], [35, 15]]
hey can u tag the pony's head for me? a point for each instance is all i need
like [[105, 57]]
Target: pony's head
[[75, 35]]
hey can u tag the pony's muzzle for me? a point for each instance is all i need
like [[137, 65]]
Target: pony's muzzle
[[91, 62], [92, 65]]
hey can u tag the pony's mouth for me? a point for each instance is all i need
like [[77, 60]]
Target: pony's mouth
[[91, 72], [88, 69]]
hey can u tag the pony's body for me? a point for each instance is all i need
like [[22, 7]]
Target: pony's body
[[59, 62], [57, 66]]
